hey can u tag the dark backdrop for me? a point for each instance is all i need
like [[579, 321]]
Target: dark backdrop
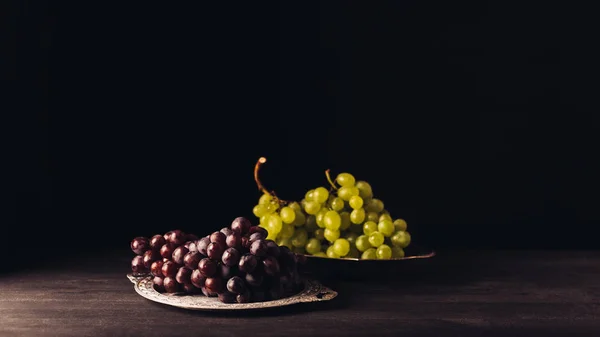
[[476, 122]]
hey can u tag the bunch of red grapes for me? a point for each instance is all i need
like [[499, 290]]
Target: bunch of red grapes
[[236, 264]]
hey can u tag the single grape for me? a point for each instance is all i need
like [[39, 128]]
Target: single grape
[[320, 254], [234, 240], [320, 216], [191, 246], [345, 221], [254, 279], [157, 241], [347, 192], [179, 254], [215, 250], [299, 238], [137, 265], [247, 263], [355, 202], [287, 231], [345, 179], [320, 234], [386, 227], [320, 195], [331, 253], [369, 227], [166, 250], [214, 284], [374, 205], [139, 245], [202, 245], [376, 239], [207, 292], [373, 216], [332, 220], [274, 223], [156, 268], [236, 285], [191, 260], [341, 247], [369, 254], [312, 207], [308, 196], [357, 216], [231, 257], [272, 207], [397, 252], [313, 246], [225, 272], [256, 236], [272, 248], [285, 243], [256, 229], [330, 235], [218, 237], [287, 215], [401, 239], [170, 284], [170, 268], [158, 284], [226, 231], [295, 206], [197, 278], [400, 225], [258, 248], [337, 204], [259, 210], [311, 223], [184, 275], [384, 252], [299, 219], [270, 266], [385, 216], [265, 199], [364, 189], [207, 267], [351, 237], [149, 257], [244, 297], [362, 243], [176, 237], [264, 219]]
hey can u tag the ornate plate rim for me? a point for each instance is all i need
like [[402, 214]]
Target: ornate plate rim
[[313, 291]]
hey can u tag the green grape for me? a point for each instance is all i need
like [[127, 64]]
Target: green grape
[[341, 247], [299, 250], [300, 219], [345, 221], [397, 252], [357, 216], [272, 207], [345, 179], [386, 227], [400, 225], [265, 218], [313, 246], [337, 204], [384, 252], [265, 199], [364, 189], [356, 202], [320, 195], [376, 239], [385, 216], [373, 216], [312, 207], [320, 234], [274, 223], [374, 205], [369, 227], [287, 231], [295, 206], [320, 254], [332, 220], [309, 195], [331, 235], [351, 237], [287, 215], [369, 254], [271, 235], [321, 217], [300, 238], [259, 210], [284, 242], [362, 243], [311, 221], [347, 192], [330, 253], [353, 253], [401, 239], [303, 204]]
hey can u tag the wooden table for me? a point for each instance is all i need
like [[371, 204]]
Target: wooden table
[[511, 293]]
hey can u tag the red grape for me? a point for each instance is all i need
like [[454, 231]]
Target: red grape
[[226, 231], [247, 263], [191, 259], [231, 257], [236, 285], [258, 248], [137, 265], [243, 297], [139, 245], [197, 278], [227, 297], [166, 250], [257, 236], [245, 242], [176, 237], [225, 271], [150, 256], [207, 267], [184, 275], [202, 245], [157, 241], [218, 237], [170, 284], [169, 269], [215, 250], [233, 240], [156, 268], [270, 266], [214, 284], [240, 225], [158, 284], [207, 292], [254, 279], [179, 254], [190, 288]]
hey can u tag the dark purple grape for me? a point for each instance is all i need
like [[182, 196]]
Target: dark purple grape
[[270, 265], [258, 248], [257, 229], [245, 242], [272, 248], [301, 259], [179, 254], [215, 250], [156, 268], [244, 297], [214, 284], [137, 265], [218, 237], [236, 285], [226, 272], [149, 257], [192, 246], [227, 297], [191, 260], [191, 237], [176, 237], [231, 257], [197, 278], [157, 241], [254, 279], [169, 269], [167, 235], [166, 250], [233, 240], [184, 275], [207, 267], [189, 288], [187, 245], [226, 231], [247, 263], [139, 245], [240, 225], [207, 292], [158, 284], [170, 284], [256, 236], [165, 259], [202, 245]]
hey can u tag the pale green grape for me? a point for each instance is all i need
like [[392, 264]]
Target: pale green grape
[[337, 204], [295, 206], [362, 243], [384, 252], [320, 254], [345, 179], [272, 207], [364, 189], [300, 219], [369, 227], [369, 254], [397, 252], [353, 253], [321, 217], [386, 227], [299, 250], [313, 246], [311, 224], [300, 237], [287, 231], [358, 216], [265, 218], [385, 216], [358, 229], [303, 203], [332, 220], [271, 235], [373, 216], [260, 210], [287, 214], [284, 242], [374, 205], [312, 207], [400, 225], [331, 235], [347, 192], [320, 194], [345, 221], [320, 234], [274, 223], [309, 195], [265, 199], [401, 239], [376, 239], [331, 254], [341, 247], [356, 202], [351, 237]]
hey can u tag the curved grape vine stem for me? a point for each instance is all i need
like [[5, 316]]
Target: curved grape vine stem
[[261, 187], [329, 180]]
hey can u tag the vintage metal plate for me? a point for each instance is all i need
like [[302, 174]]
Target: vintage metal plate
[[313, 292]]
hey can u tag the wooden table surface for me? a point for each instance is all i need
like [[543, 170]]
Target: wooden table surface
[[502, 293]]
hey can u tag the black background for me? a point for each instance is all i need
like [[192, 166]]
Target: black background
[[476, 122]]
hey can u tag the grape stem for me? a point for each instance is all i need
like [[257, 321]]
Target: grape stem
[[329, 179], [260, 186]]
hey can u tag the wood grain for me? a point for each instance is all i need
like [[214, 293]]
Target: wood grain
[[526, 293]]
